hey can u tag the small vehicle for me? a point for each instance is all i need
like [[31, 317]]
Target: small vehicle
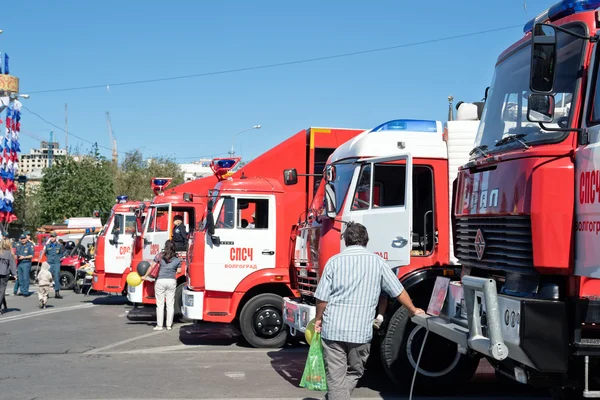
[[76, 256], [84, 278]]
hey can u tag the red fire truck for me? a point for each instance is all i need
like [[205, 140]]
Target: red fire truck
[[240, 260], [115, 247], [528, 213], [395, 179]]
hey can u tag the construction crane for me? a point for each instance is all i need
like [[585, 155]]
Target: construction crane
[[115, 154]]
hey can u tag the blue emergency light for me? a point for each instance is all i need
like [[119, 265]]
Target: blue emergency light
[[414, 125], [122, 199], [159, 182], [561, 10], [225, 163]]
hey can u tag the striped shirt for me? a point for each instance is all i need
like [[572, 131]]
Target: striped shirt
[[351, 284]]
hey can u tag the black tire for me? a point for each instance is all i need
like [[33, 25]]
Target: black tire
[[566, 394], [33, 273], [179, 317], [443, 365], [67, 280], [261, 321]]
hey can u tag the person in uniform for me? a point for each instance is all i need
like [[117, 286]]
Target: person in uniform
[[24, 255], [180, 235], [28, 235], [53, 251]]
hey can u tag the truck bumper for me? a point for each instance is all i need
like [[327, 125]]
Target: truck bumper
[[192, 304], [533, 333], [98, 281], [297, 315], [135, 294]]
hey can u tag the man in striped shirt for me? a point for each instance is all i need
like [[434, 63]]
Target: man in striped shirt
[[347, 297]]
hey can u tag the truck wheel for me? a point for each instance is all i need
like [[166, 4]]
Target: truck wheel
[[566, 394], [261, 321], [67, 280], [441, 363], [179, 317]]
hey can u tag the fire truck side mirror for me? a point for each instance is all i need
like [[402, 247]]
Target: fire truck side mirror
[[210, 224], [543, 59], [290, 177], [540, 108]]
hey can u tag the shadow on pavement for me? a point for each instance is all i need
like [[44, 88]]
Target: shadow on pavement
[[9, 310], [209, 334], [103, 299]]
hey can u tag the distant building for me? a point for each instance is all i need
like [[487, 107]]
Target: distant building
[[196, 169], [38, 159]]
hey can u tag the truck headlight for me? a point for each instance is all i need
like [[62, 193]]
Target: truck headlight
[[189, 300]]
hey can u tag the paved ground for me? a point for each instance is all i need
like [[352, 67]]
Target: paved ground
[[85, 347]]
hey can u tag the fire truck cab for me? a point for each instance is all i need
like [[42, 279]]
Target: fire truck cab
[[395, 179], [114, 247], [527, 213]]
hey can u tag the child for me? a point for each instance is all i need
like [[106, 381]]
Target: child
[[45, 281]]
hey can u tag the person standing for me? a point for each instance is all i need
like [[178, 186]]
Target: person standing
[[24, 257], [44, 278], [180, 235], [7, 266], [165, 285], [53, 251], [347, 297]]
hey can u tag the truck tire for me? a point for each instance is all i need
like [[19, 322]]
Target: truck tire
[[566, 394], [179, 317], [441, 363], [67, 280], [261, 321]]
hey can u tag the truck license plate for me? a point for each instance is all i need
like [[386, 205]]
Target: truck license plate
[[291, 316]]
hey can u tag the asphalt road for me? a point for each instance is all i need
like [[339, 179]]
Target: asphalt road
[[85, 347]]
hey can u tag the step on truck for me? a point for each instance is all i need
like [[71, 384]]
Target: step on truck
[[395, 179], [527, 214], [115, 247], [240, 261]]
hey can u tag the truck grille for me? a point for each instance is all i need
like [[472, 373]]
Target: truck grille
[[504, 242], [307, 285]]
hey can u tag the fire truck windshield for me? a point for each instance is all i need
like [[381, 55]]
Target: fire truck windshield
[[343, 178], [505, 112]]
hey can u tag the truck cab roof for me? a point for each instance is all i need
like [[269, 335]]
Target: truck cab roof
[[252, 185]]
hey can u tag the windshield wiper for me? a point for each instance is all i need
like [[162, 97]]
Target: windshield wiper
[[481, 149], [511, 138]]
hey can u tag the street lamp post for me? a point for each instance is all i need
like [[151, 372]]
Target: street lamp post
[[232, 152]]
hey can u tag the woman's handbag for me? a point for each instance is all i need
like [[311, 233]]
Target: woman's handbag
[[153, 274]]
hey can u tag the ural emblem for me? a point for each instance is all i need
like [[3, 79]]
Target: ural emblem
[[479, 244]]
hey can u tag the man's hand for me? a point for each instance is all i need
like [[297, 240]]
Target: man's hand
[[416, 311], [318, 326]]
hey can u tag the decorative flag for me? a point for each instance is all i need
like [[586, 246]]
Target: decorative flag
[[6, 72], [0, 66]]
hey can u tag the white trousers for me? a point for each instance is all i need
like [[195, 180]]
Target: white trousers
[[164, 289]]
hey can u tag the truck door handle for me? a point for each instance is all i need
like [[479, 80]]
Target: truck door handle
[[268, 252]]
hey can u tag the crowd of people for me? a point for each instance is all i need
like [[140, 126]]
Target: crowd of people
[[16, 262]]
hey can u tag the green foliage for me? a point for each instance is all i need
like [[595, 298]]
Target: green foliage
[[72, 188], [134, 174], [28, 209]]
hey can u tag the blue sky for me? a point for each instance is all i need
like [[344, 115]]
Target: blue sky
[[73, 43]]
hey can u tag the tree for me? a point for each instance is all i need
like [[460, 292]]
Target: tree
[[27, 207], [134, 174], [76, 188]]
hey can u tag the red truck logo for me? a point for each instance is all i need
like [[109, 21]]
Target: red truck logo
[[383, 254], [154, 249], [589, 187], [124, 250], [241, 254]]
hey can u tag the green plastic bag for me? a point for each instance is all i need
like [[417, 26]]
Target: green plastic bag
[[314, 377]]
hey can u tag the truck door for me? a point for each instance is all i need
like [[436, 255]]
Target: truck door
[[157, 230], [118, 243], [245, 227], [380, 198], [587, 176]]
